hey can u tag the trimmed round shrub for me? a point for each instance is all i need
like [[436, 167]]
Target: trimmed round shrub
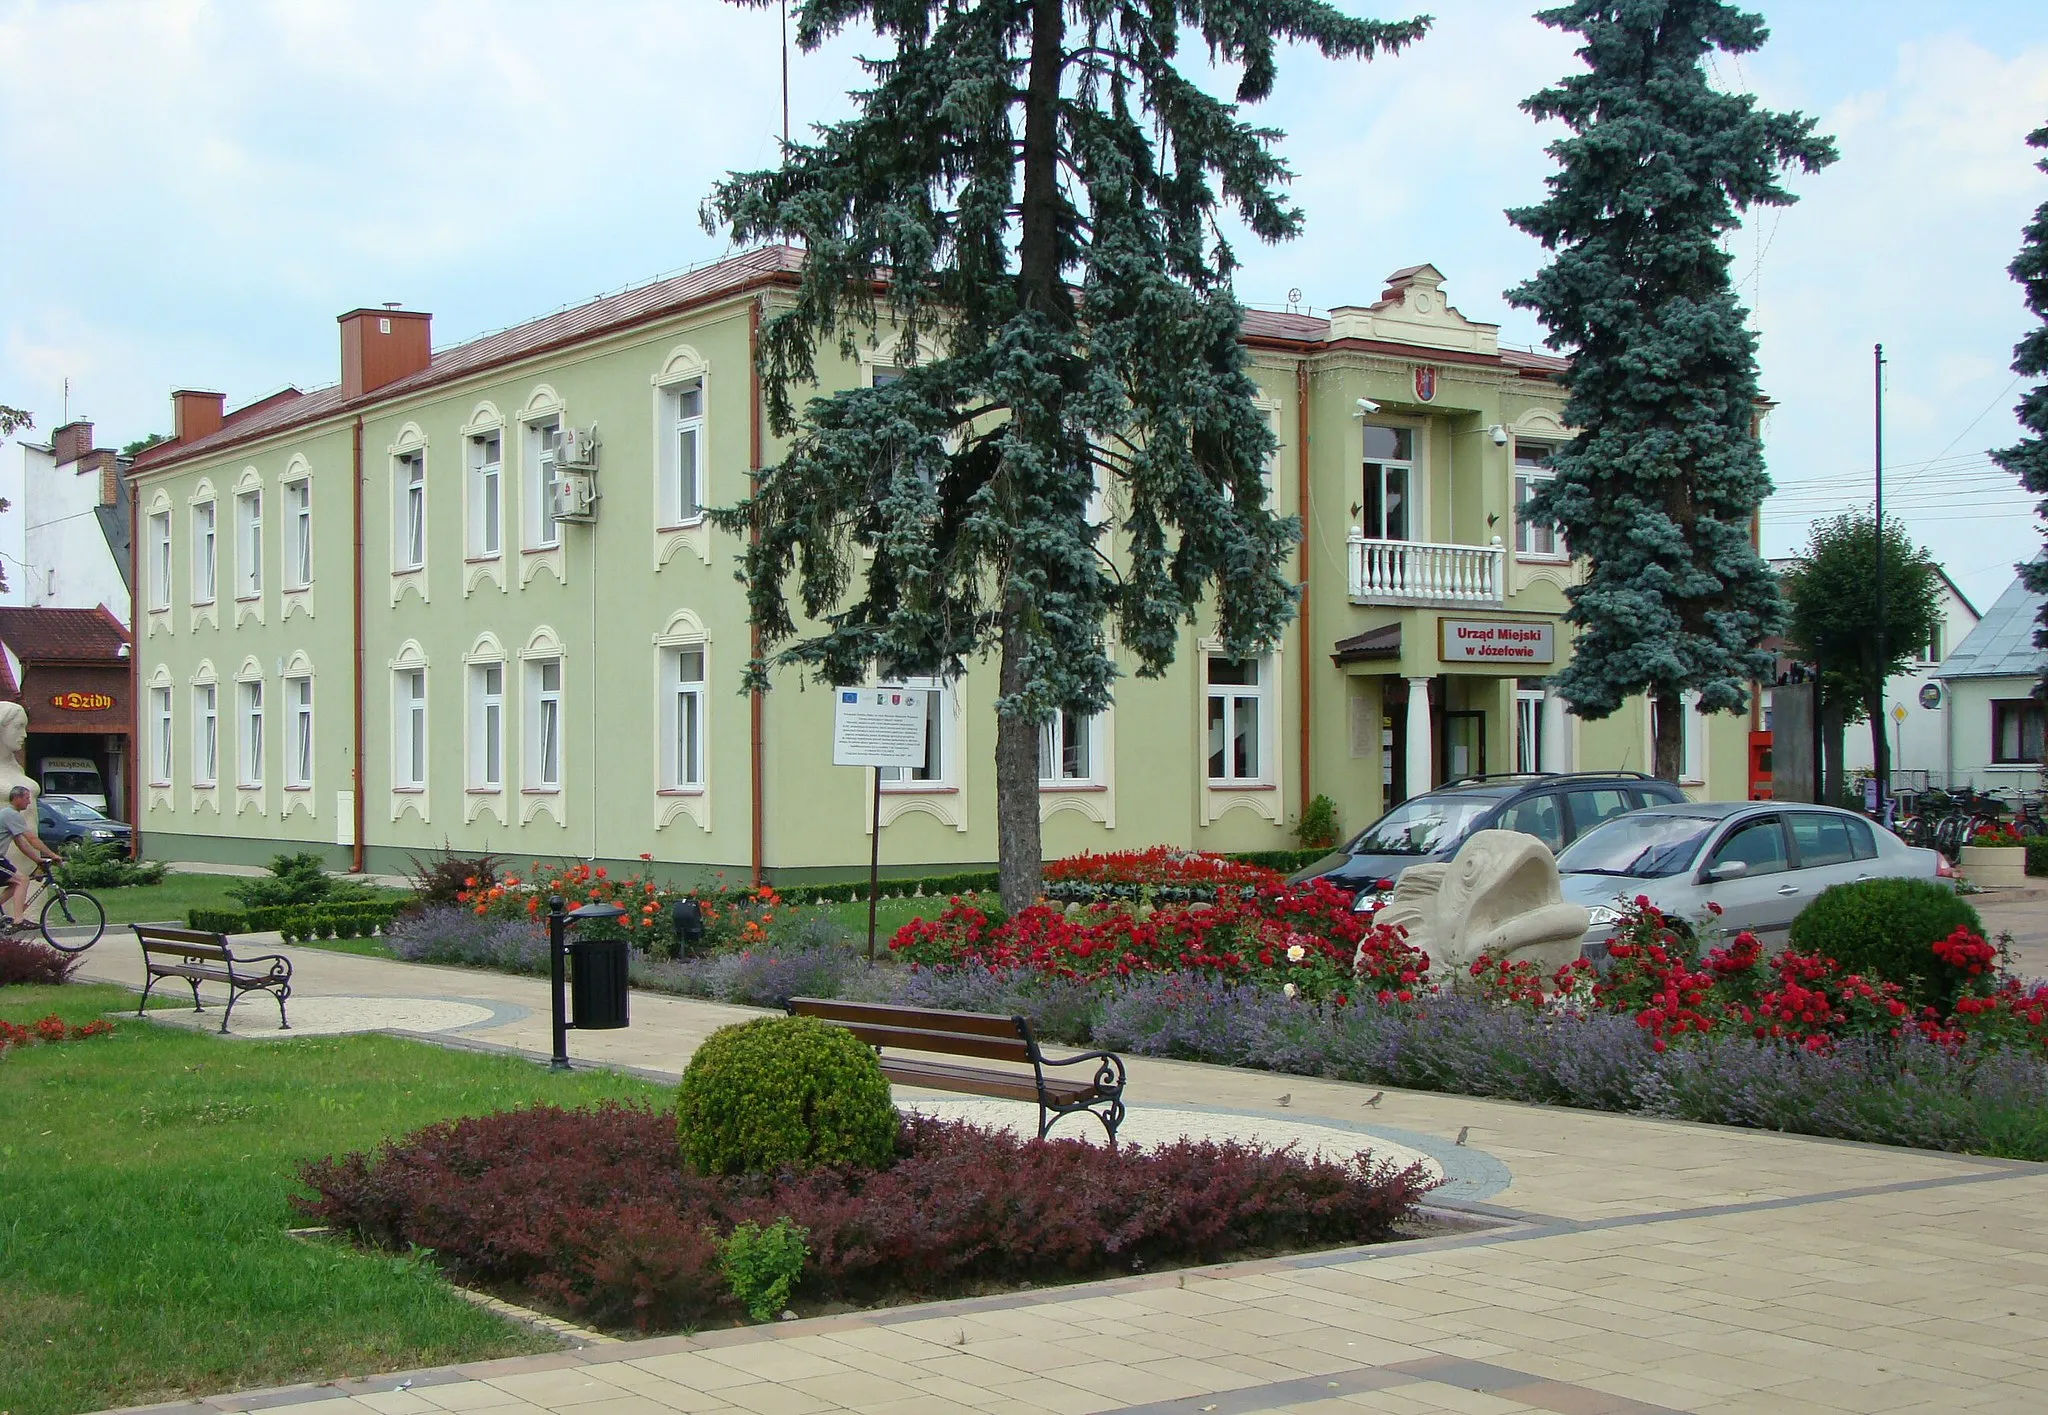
[[1887, 928], [784, 1093]]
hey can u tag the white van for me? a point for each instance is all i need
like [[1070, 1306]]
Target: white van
[[76, 777]]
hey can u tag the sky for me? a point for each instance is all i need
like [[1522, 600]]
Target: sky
[[190, 192]]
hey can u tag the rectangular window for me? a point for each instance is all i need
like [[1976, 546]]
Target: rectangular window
[[1388, 511], [160, 736], [252, 732], [205, 734], [249, 545], [543, 439], [409, 730], [2016, 730], [544, 759], [1538, 539], [1528, 729], [1237, 692], [409, 522], [1932, 653], [298, 747], [485, 504], [683, 452], [685, 713], [1066, 749], [205, 561], [487, 727], [298, 534], [936, 716], [160, 560]]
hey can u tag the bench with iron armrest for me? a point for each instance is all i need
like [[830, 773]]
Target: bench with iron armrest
[[198, 957], [978, 1034]]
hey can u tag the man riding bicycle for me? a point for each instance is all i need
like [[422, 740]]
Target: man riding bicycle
[[17, 829]]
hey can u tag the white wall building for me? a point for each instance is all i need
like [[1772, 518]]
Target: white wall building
[[64, 536], [1913, 715], [1994, 728]]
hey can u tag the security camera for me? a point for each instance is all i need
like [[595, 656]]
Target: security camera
[[1499, 435], [1366, 405]]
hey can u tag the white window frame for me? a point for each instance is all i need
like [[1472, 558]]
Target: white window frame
[[160, 729], [298, 533], [1414, 509], [1529, 729], [542, 435], [205, 551], [299, 760], [160, 559], [682, 489], [409, 744], [937, 772], [409, 510], [486, 766], [685, 704], [1533, 542], [205, 735], [486, 530], [1231, 697], [249, 543], [1053, 737], [249, 744], [544, 723]]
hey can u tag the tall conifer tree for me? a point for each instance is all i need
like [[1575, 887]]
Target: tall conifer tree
[[1030, 189], [1658, 491], [2027, 459]]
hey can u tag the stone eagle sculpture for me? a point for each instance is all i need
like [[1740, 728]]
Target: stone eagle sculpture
[[1497, 895]]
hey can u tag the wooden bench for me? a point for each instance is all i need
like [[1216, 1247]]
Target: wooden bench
[[978, 1034], [199, 957]]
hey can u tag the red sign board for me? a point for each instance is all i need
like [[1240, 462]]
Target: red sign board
[[83, 702]]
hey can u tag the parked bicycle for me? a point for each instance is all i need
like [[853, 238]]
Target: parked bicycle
[[71, 920]]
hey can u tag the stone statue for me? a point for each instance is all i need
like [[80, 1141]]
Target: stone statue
[[1498, 895], [13, 742]]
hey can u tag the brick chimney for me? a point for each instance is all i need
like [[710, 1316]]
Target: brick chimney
[[382, 346], [195, 414], [108, 466], [72, 441]]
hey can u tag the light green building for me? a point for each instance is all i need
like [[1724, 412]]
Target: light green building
[[420, 607]]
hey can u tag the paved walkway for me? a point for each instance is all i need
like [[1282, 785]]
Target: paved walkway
[[1631, 1266]]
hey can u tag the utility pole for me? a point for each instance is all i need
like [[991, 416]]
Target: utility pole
[[1882, 761]]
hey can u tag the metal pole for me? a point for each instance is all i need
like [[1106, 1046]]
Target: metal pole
[[1883, 762], [558, 934], [874, 862]]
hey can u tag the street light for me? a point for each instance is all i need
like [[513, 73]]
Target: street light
[[600, 981]]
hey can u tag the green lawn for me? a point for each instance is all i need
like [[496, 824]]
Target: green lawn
[[143, 1254], [890, 915], [168, 902]]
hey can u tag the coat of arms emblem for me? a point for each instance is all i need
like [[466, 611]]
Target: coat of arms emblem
[[1425, 382]]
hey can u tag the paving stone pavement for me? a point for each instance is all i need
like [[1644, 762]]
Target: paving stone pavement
[[1631, 1265]]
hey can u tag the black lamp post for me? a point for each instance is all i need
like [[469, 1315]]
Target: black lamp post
[[558, 956]]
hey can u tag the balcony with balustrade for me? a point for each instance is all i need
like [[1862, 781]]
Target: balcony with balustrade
[[1425, 574]]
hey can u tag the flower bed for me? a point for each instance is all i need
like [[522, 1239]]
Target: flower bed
[[590, 1211], [50, 1029]]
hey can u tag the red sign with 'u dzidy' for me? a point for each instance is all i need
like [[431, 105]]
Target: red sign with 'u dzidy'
[[83, 702]]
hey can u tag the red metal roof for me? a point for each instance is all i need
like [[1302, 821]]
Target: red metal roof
[[61, 635], [768, 264]]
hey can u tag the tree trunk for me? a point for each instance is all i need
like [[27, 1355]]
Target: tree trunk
[[1668, 718], [1018, 848], [1040, 289], [1880, 753]]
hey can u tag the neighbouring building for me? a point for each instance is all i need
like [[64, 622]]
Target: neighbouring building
[[64, 532], [1993, 722], [416, 607], [70, 669]]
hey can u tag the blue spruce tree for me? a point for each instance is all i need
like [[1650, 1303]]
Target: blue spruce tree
[[2028, 458], [1658, 491], [1030, 189]]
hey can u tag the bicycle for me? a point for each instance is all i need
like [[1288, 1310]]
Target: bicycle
[[69, 911]]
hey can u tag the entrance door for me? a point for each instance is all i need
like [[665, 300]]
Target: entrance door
[[1464, 745]]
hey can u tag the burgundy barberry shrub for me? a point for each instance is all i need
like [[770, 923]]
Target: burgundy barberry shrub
[[26, 961]]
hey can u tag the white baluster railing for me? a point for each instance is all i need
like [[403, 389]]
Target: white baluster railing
[[1421, 572]]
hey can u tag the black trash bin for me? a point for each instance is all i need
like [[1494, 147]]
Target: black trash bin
[[597, 971]]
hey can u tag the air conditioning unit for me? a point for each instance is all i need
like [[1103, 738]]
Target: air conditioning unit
[[574, 499], [578, 448]]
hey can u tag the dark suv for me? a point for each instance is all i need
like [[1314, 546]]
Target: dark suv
[[1555, 808]]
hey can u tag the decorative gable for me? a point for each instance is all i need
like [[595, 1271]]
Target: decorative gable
[[1413, 310]]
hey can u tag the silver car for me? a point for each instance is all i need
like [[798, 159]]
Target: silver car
[[1761, 862]]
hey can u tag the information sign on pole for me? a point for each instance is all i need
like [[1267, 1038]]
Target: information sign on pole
[[878, 727]]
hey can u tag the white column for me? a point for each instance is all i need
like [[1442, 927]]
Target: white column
[[1557, 739], [1421, 750]]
